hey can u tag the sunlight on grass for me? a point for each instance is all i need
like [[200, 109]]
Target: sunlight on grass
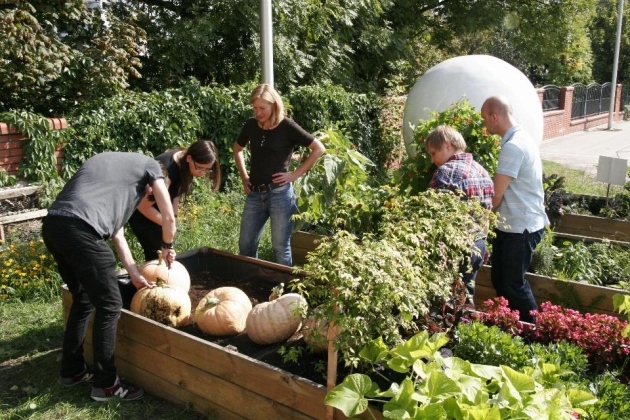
[[31, 335], [579, 182]]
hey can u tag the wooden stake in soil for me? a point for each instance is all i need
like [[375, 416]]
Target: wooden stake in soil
[[331, 375]]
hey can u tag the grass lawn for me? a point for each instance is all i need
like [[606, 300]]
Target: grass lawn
[[30, 349], [579, 182]]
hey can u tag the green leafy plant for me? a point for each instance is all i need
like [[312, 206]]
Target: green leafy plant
[[6, 180], [574, 262], [543, 260], [340, 175], [433, 386], [27, 271], [385, 282], [489, 345], [416, 172], [556, 197], [39, 163]]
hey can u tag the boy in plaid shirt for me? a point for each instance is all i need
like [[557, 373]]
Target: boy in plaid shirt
[[458, 172]]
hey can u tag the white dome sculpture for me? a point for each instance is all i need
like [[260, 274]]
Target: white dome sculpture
[[475, 78]]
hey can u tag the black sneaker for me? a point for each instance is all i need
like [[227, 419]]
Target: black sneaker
[[124, 391], [85, 376]]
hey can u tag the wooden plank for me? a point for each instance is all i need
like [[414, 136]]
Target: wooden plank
[[588, 239], [222, 395], [13, 192], [161, 388], [289, 389], [592, 226], [301, 244], [20, 217], [596, 299]]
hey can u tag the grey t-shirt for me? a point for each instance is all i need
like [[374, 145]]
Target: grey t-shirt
[[105, 191]]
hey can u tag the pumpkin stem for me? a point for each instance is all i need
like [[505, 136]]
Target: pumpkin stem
[[160, 282], [211, 303], [276, 292], [160, 260]]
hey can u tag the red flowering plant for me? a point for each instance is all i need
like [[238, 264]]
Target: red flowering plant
[[600, 336], [497, 312]]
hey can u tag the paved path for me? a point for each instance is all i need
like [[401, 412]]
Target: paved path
[[581, 150]]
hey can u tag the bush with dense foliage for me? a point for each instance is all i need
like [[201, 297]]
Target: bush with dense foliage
[[154, 122], [384, 282], [417, 170], [59, 53]]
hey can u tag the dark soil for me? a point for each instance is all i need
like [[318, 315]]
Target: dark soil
[[310, 366]]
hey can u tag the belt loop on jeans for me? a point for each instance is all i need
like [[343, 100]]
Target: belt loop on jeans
[[265, 187]]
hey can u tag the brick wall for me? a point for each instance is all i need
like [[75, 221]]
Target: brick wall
[[11, 145], [558, 122]]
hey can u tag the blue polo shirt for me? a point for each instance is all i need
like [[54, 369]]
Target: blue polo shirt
[[523, 204]]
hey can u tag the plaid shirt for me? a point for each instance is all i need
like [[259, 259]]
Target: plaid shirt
[[462, 173]]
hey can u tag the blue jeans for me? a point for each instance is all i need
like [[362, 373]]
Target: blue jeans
[[88, 267], [278, 205], [511, 255]]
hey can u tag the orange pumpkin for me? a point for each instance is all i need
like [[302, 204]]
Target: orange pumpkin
[[276, 321], [223, 311], [164, 304], [176, 276]]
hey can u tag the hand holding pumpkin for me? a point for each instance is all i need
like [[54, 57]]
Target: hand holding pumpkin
[[168, 254]]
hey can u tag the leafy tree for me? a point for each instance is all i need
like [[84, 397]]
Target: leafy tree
[[603, 34], [57, 53], [547, 40]]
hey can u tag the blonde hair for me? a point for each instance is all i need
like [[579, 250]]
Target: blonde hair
[[269, 94], [445, 134]]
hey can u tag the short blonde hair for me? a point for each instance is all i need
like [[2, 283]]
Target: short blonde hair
[[445, 134], [268, 93]]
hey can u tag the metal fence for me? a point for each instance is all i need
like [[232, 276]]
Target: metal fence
[[590, 100], [625, 96], [551, 97]]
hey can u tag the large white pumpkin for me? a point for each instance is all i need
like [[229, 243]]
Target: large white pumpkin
[[176, 276], [475, 78], [276, 321]]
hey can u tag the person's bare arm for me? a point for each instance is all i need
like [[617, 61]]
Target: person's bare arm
[[501, 183], [124, 254], [240, 165], [146, 208], [163, 201]]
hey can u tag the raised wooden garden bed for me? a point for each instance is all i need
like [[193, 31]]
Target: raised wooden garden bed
[[594, 227], [213, 379], [594, 299]]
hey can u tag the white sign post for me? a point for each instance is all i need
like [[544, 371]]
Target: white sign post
[[612, 171]]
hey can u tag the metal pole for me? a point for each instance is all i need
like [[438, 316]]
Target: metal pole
[[611, 111], [266, 42]]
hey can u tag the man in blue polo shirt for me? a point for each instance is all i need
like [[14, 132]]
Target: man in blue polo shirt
[[519, 200]]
